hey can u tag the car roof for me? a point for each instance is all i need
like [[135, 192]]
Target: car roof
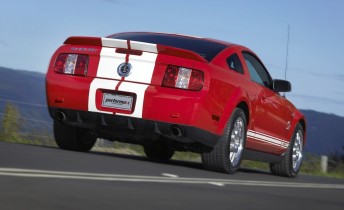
[[227, 44], [205, 47]]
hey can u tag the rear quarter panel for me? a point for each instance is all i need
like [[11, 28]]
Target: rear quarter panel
[[227, 88]]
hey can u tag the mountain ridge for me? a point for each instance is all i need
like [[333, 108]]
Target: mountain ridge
[[325, 133]]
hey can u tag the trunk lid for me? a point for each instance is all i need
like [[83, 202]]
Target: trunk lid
[[132, 60]]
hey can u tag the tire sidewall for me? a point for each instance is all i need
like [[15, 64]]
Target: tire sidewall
[[73, 138], [158, 151], [298, 128], [238, 113]]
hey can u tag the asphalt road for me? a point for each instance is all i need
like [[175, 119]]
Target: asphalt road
[[34, 177]]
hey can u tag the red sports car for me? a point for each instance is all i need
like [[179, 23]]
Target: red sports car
[[171, 92]]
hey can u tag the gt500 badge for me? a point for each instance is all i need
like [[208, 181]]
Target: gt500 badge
[[124, 69]]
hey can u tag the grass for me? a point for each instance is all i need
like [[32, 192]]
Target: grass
[[187, 156], [254, 165]]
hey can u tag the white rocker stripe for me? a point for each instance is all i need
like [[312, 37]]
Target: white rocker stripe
[[267, 139]]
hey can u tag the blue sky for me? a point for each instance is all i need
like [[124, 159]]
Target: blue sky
[[31, 30]]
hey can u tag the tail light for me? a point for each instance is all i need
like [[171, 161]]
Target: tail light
[[75, 64], [184, 78]]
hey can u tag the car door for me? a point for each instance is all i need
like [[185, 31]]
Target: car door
[[270, 114]]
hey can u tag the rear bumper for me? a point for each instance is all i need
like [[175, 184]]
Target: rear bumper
[[154, 103], [133, 130]]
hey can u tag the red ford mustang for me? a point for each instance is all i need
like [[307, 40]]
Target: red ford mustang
[[170, 93]]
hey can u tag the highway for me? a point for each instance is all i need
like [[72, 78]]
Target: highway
[[37, 177]]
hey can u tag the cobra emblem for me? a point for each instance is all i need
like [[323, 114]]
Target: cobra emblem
[[124, 69]]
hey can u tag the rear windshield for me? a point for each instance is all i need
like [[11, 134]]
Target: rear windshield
[[204, 48]]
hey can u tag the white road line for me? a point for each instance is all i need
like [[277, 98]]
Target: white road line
[[170, 175], [216, 183], [30, 173]]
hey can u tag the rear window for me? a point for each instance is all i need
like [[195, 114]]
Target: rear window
[[204, 48]]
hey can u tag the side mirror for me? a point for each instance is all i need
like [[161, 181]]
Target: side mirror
[[281, 85]]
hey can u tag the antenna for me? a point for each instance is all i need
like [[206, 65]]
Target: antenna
[[287, 55], [286, 59]]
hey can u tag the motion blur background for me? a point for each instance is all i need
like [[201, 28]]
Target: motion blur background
[[31, 30]]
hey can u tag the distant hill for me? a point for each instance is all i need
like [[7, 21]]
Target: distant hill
[[26, 90], [325, 132]]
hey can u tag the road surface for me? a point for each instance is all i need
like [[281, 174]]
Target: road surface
[[35, 177]]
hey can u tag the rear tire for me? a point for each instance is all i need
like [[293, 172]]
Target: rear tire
[[227, 154], [73, 138], [292, 160], [158, 151]]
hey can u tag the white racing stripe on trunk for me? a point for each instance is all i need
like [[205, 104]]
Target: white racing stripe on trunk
[[139, 89], [30, 173], [148, 47], [107, 75], [142, 67], [109, 62], [116, 43], [135, 45], [99, 84]]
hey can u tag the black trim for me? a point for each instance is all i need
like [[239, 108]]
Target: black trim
[[281, 85], [234, 63], [261, 156], [135, 130]]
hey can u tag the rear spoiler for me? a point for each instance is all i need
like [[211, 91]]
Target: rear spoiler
[[135, 46]]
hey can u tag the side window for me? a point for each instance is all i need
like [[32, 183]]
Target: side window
[[234, 63], [257, 71]]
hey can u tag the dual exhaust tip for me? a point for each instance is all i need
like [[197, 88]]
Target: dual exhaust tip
[[176, 131], [61, 116]]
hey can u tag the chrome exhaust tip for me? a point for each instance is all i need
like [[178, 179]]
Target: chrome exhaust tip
[[176, 131], [61, 116]]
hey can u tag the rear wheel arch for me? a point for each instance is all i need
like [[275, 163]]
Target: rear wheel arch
[[298, 121], [291, 162], [303, 124], [227, 154], [236, 100], [244, 107]]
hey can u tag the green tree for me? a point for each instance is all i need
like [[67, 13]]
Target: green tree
[[10, 124]]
